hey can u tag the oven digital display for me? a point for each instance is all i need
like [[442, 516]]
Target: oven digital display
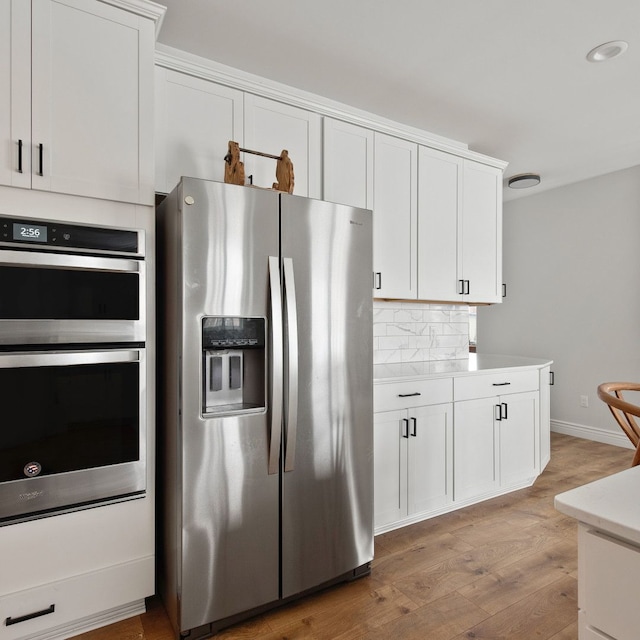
[[29, 232]]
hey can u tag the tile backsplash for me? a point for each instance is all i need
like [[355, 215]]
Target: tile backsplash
[[416, 332]]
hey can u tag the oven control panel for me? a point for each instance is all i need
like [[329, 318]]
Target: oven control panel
[[67, 236]]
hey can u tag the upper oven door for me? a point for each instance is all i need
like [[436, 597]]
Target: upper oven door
[[53, 298]]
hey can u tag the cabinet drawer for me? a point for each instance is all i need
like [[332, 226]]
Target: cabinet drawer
[[495, 384], [609, 582], [44, 611], [404, 395]]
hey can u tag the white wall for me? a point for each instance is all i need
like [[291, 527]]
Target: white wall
[[572, 268]]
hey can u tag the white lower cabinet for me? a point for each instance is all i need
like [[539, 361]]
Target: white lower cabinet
[[413, 438], [475, 439], [495, 443], [413, 456], [432, 458], [546, 382], [497, 426], [607, 585]]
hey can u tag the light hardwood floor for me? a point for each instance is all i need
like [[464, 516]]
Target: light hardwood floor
[[502, 569]]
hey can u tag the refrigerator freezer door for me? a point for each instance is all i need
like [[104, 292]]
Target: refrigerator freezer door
[[327, 499], [229, 559]]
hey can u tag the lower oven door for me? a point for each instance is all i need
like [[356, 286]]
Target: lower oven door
[[73, 430]]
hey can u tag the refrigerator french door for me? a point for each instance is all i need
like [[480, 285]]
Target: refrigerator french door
[[268, 397]]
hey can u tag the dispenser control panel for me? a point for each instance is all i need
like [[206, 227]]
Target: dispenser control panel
[[226, 332]]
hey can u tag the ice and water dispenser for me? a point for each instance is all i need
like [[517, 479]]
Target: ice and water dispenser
[[233, 361]]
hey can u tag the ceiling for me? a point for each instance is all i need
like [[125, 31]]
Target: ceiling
[[507, 77]]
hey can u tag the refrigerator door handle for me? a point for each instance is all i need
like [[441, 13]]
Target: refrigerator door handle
[[291, 422], [276, 365]]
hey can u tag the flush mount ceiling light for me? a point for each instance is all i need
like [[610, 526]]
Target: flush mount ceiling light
[[607, 51], [524, 180]]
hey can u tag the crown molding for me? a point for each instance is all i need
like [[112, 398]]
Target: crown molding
[[144, 8], [183, 62]]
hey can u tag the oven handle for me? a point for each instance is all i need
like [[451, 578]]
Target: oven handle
[[30, 259], [14, 360]]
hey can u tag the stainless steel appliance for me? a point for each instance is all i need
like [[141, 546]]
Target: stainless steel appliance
[[72, 367], [70, 284], [266, 376]]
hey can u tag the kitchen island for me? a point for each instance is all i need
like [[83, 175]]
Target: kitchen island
[[608, 514], [451, 433]]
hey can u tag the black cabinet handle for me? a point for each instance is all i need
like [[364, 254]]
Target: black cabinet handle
[[409, 395], [30, 616], [505, 416], [497, 412], [501, 384], [405, 430], [19, 156], [504, 290], [552, 378], [468, 289], [41, 159], [377, 280], [414, 432]]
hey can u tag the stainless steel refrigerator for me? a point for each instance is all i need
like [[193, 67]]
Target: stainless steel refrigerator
[[265, 387]]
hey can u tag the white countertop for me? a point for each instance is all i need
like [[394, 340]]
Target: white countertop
[[475, 363], [610, 504]]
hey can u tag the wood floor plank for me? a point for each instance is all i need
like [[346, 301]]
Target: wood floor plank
[[542, 615], [427, 552], [442, 619], [503, 587]]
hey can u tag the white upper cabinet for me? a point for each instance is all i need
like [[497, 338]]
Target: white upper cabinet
[[272, 126], [78, 126], [459, 229], [437, 213], [439, 195], [481, 233], [395, 210], [15, 93], [347, 164], [195, 119]]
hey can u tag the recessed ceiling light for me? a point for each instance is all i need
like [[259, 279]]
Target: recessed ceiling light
[[524, 180], [607, 51]]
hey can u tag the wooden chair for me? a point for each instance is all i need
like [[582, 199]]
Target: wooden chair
[[623, 411]]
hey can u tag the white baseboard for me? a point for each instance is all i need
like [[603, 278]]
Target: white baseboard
[[591, 433]]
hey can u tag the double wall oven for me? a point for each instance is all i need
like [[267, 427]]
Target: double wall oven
[[72, 367]]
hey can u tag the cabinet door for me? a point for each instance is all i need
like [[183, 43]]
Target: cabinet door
[[348, 164], [518, 438], [395, 218], [270, 127], [15, 93], [92, 100], [481, 232], [439, 201], [474, 445], [390, 466], [195, 119], [430, 458], [545, 417]]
